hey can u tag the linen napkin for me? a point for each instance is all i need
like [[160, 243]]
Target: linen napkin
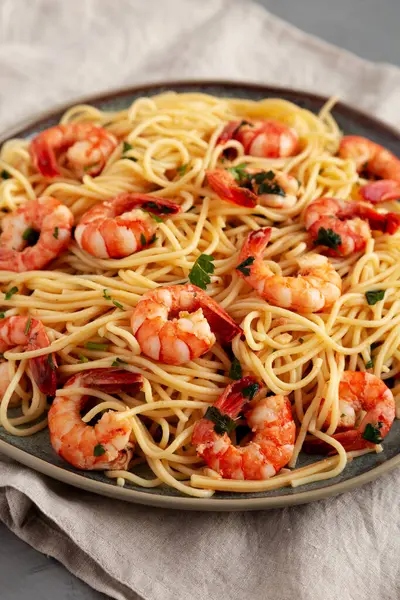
[[52, 51]]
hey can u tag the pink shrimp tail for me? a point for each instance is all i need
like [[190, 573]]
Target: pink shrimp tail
[[110, 379], [43, 370], [228, 131], [224, 185], [232, 400], [381, 191], [256, 242], [159, 206], [44, 158], [387, 222]]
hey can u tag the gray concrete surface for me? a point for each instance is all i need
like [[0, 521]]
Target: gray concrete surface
[[367, 27]]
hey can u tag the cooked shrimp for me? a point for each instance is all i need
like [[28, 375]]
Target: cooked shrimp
[[268, 138], [105, 445], [271, 421], [45, 216], [359, 392], [345, 227], [88, 148], [316, 287], [249, 187], [116, 228], [377, 161], [31, 333], [191, 334]]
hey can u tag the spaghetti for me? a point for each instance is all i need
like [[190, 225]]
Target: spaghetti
[[165, 145]]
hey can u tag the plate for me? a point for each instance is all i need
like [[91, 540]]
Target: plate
[[36, 452]]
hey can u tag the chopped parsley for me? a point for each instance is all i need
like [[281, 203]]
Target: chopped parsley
[[222, 423], [199, 273], [83, 358], [31, 236], [2, 315], [126, 147], [327, 237], [117, 304], [156, 217], [167, 210], [375, 345], [143, 240], [152, 239], [28, 326], [244, 266], [251, 390], [96, 346], [107, 296], [5, 174], [11, 293], [118, 362], [373, 296], [373, 434], [50, 360], [99, 450], [235, 372], [240, 174], [301, 340], [271, 188], [55, 233], [264, 176], [243, 122], [369, 364], [182, 169]]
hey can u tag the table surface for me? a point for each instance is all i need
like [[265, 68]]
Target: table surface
[[362, 26]]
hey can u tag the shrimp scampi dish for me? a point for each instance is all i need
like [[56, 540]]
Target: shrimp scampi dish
[[200, 292]]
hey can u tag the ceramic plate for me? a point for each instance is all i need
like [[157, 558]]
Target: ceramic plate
[[36, 452]]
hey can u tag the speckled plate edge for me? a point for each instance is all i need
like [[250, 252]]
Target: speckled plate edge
[[188, 503]]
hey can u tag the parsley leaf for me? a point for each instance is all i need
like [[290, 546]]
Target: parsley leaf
[[126, 147], [50, 360], [99, 450], [152, 239], [373, 434], [83, 358], [199, 273], [96, 346], [55, 233], [243, 122], [264, 175], [11, 293], [28, 326], [117, 304], [156, 217], [251, 390], [239, 173], [154, 206], [5, 174], [327, 237], [2, 315], [271, 188], [106, 295], [235, 372], [244, 266], [143, 240], [374, 296], [182, 169], [223, 423], [118, 362], [31, 236], [369, 364]]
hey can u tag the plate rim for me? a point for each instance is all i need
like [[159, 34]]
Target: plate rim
[[186, 502]]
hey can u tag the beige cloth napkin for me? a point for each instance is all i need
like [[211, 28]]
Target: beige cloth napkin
[[52, 51]]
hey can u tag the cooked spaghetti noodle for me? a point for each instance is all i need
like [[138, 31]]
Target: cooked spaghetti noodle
[[85, 303]]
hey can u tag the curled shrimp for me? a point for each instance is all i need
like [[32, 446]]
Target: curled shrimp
[[267, 138], [374, 160], [345, 227], [31, 333], [178, 323], [88, 148], [121, 226], [271, 421], [45, 216], [249, 187], [316, 287], [105, 445], [359, 392]]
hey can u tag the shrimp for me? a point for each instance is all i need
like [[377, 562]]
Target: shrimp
[[105, 445], [345, 227], [115, 228], [31, 333], [46, 216], [271, 421], [267, 138], [88, 148], [179, 340], [249, 187], [376, 161], [359, 392], [316, 287]]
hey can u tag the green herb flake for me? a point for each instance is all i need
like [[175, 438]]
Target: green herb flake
[[374, 296], [31, 236], [50, 360], [143, 240], [182, 169], [126, 146], [156, 218], [118, 304], [55, 233], [106, 295], [271, 188], [118, 362], [5, 175], [373, 434], [239, 173], [152, 239], [99, 450], [327, 237], [2, 315], [28, 326], [222, 423], [244, 266], [83, 358], [96, 346], [251, 390], [369, 364], [11, 293], [235, 372], [301, 340], [199, 273]]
